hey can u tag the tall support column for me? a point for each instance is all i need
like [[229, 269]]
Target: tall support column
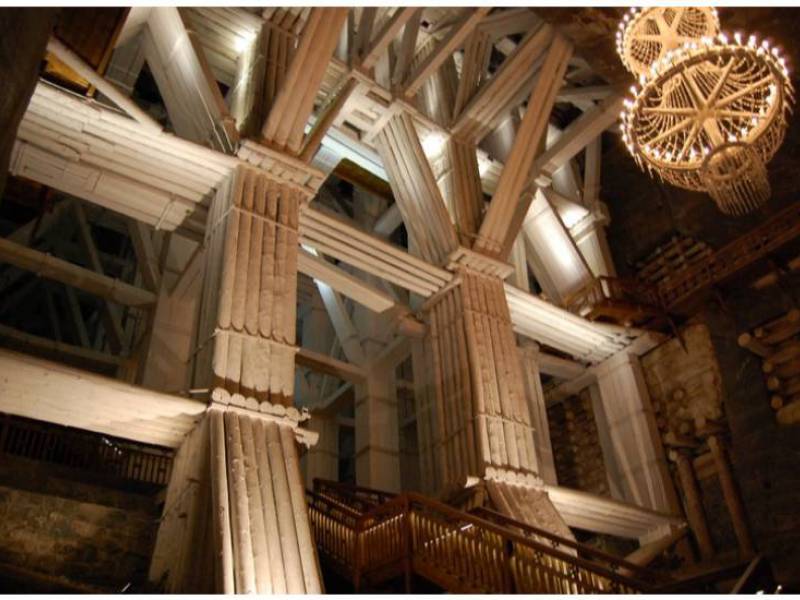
[[529, 354], [377, 431], [248, 526], [732, 498], [322, 460], [482, 424], [377, 422], [637, 448]]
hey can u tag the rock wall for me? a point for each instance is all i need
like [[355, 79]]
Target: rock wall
[[576, 445], [57, 525]]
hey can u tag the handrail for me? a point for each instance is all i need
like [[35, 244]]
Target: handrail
[[701, 582], [582, 548], [520, 539], [412, 531], [749, 574], [349, 488]]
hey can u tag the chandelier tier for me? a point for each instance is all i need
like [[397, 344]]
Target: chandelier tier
[[735, 176], [701, 96], [645, 35]]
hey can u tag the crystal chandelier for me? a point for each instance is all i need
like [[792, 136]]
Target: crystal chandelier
[[709, 112]]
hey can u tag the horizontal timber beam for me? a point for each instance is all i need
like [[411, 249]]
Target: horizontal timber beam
[[330, 366], [47, 391], [60, 270]]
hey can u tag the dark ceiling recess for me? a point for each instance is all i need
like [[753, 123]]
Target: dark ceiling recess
[[91, 33]]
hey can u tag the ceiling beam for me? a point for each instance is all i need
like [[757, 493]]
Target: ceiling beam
[[88, 280], [444, 49], [507, 210]]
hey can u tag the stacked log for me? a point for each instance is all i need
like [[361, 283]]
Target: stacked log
[[247, 323], [672, 259], [777, 344], [576, 445]]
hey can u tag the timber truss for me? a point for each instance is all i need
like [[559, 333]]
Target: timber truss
[[425, 81]]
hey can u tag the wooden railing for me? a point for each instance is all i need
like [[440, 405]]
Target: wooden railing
[[84, 450], [613, 563], [782, 227], [458, 551], [605, 291]]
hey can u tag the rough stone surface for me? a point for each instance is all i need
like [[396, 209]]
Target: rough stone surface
[[765, 455], [60, 527]]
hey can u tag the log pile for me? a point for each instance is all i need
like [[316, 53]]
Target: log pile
[[677, 255], [576, 445], [777, 344], [247, 322]]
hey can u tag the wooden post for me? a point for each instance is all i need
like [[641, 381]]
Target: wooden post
[[694, 503], [732, 498]]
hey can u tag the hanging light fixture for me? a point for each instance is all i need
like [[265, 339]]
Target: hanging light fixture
[[710, 113], [645, 35], [735, 176]]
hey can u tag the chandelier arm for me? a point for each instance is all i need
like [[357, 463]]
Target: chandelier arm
[[671, 131], [743, 92], [712, 97], [696, 94], [676, 22], [689, 140]]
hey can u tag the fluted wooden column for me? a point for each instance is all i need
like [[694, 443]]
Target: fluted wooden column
[[235, 519], [483, 423], [536, 403]]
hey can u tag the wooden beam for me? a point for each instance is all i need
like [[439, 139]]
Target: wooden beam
[[408, 45], [285, 126], [387, 33], [330, 366], [193, 99], [343, 282], [77, 64], [57, 350], [325, 119], [146, 259], [507, 211], [508, 22], [112, 319], [556, 366], [47, 391], [575, 138], [60, 270], [492, 102], [454, 38], [345, 330]]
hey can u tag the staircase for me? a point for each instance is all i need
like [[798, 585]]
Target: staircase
[[369, 537]]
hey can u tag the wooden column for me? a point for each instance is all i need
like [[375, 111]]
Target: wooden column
[[634, 435], [377, 443], [322, 460], [733, 499], [694, 502], [246, 335], [529, 354], [248, 529], [483, 422]]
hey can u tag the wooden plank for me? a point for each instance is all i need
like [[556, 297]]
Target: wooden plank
[[506, 211], [330, 366], [60, 270], [454, 38], [54, 393], [387, 33], [343, 282]]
